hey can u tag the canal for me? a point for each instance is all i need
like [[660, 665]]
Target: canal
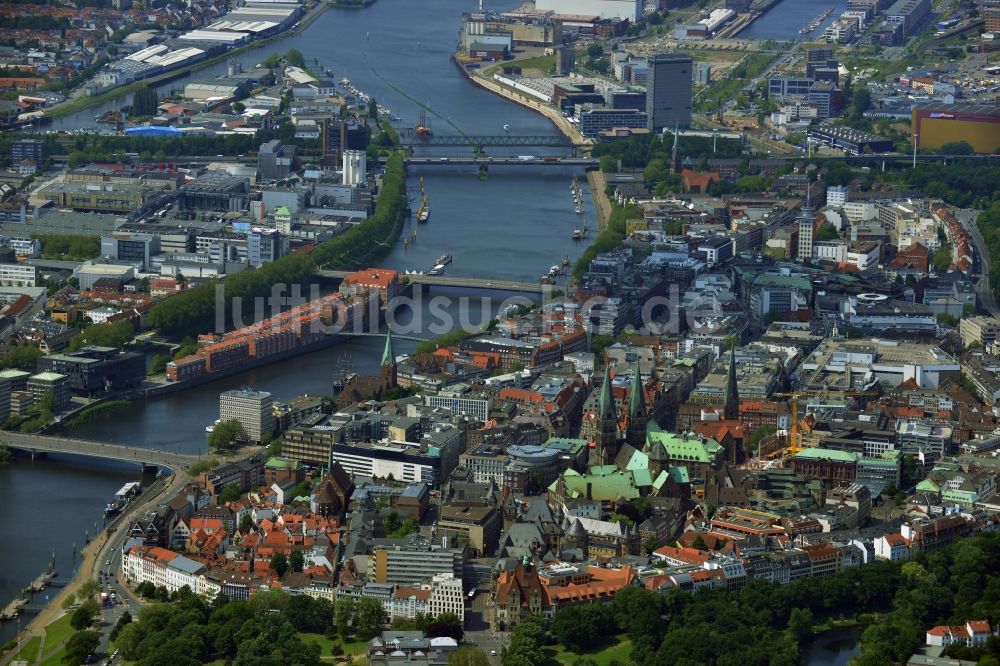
[[515, 225]]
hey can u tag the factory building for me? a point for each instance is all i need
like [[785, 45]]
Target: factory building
[[605, 9], [849, 139], [522, 31], [216, 190]]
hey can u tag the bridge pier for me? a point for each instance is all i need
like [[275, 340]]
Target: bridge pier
[[149, 469], [39, 455]]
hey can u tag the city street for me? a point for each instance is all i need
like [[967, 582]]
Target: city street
[[477, 628], [987, 299]]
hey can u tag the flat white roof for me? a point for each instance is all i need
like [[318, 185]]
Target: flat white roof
[[147, 53], [212, 36], [299, 75], [97, 269], [249, 11], [178, 56], [243, 26]]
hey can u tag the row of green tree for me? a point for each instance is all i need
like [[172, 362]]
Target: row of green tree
[[292, 57], [98, 147], [964, 184], [989, 227], [145, 102], [262, 631], [947, 586], [69, 246], [765, 623], [266, 629], [233, 300], [375, 236], [637, 152], [109, 334]]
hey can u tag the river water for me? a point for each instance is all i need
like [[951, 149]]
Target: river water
[[783, 21], [513, 226]]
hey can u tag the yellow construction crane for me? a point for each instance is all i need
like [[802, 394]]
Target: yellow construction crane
[[794, 436]]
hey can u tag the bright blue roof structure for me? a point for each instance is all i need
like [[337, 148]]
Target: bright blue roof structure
[[153, 130]]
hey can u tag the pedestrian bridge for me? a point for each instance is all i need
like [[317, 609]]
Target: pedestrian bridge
[[453, 281], [395, 336], [146, 458]]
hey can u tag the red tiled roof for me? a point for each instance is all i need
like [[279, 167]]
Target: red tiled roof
[[373, 277], [688, 555]]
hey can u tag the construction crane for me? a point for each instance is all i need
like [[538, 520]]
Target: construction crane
[[794, 436]]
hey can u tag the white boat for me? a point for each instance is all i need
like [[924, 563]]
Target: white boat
[[444, 259], [507, 127], [437, 270]]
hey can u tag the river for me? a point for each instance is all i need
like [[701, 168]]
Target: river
[[513, 226], [784, 20]]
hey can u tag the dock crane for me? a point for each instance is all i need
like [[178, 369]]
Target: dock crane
[[794, 436]]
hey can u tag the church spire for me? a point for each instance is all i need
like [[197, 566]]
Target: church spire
[[675, 156], [606, 399], [637, 401], [637, 416], [732, 407], [388, 356]]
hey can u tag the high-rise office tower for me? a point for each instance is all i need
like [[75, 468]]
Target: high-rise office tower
[[668, 90]]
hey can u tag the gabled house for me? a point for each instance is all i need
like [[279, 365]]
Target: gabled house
[[974, 633], [519, 593]]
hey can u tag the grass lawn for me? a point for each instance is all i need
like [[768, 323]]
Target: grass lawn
[[55, 659], [351, 648], [29, 650], [617, 651], [58, 632], [542, 63]]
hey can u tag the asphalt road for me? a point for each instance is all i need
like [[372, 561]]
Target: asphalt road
[[107, 565], [987, 299], [477, 629]]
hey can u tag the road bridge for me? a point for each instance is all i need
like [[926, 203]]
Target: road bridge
[[147, 458], [410, 138], [586, 162], [454, 281]]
